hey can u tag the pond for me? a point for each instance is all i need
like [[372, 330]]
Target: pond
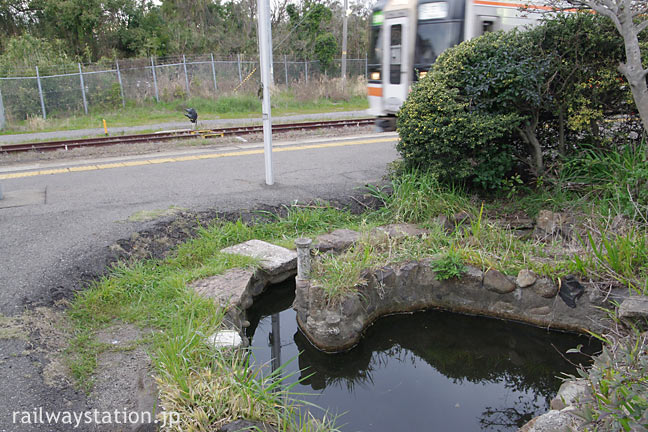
[[427, 371]]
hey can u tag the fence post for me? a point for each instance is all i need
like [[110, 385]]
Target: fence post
[[83, 94], [238, 60], [286, 68], [40, 93], [2, 121], [184, 66], [306, 69], [214, 73], [121, 85], [157, 95], [366, 67]]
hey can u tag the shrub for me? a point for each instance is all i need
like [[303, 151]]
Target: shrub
[[439, 132], [515, 96]]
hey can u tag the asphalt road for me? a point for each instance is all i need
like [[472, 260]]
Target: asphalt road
[[54, 228]]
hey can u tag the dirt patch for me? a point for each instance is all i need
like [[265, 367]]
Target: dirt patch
[[49, 335], [169, 232], [149, 215], [46, 334], [123, 379], [12, 328]]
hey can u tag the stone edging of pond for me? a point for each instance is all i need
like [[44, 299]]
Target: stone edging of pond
[[398, 288], [235, 289], [413, 286]]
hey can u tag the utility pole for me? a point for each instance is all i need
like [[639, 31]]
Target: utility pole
[[344, 40], [270, 56], [265, 49]]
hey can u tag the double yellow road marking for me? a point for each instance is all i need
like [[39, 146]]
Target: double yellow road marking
[[142, 162]]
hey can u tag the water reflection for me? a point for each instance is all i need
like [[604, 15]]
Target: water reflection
[[431, 370]]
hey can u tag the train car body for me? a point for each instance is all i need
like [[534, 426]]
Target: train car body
[[408, 35]]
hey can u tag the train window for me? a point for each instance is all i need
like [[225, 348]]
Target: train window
[[396, 35], [432, 38], [375, 48], [395, 50], [489, 23]]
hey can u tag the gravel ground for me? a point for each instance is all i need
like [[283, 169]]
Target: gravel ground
[[8, 159], [204, 124]]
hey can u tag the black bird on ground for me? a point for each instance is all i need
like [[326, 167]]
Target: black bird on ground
[[191, 114]]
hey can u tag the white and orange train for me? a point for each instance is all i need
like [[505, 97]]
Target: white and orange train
[[408, 35]]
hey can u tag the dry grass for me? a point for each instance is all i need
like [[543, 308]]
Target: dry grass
[[218, 396], [329, 88]]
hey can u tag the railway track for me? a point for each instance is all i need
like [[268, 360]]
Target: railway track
[[176, 135]]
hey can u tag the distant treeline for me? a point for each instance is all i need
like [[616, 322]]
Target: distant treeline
[[47, 32]]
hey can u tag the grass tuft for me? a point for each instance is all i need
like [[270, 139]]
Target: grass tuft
[[417, 197]]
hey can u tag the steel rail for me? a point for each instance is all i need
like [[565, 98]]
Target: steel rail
[[174, 135]]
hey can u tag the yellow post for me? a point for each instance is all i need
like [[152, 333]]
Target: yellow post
[[105, 127]]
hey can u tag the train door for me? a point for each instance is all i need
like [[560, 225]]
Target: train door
[[396, 67]]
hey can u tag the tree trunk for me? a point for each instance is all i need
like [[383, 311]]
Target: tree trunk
[[632, 69], [528, 135], [636, 76], [594, 128], [561, 131]]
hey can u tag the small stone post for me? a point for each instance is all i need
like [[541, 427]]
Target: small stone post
[[303, 258], [302, 281]]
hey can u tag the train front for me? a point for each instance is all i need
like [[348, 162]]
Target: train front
[[406, 38]]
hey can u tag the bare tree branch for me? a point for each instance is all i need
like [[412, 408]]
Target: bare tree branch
[[613, 6], [642, 26]]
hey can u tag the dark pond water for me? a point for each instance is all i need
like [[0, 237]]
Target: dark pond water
[[428, 371]]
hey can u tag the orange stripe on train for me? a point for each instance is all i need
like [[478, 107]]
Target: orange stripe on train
[[375, 91], [512, 5]]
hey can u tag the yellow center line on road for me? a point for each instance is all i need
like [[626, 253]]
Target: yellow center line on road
[[99, 166]]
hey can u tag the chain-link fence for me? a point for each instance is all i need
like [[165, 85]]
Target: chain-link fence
[[71, 89]]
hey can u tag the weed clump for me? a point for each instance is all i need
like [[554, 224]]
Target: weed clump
[[618, 384], [449, 266]]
